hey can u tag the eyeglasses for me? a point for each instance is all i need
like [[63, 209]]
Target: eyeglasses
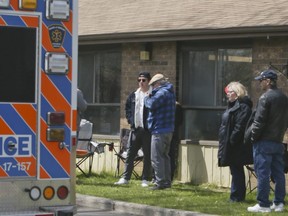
[[142, 80]]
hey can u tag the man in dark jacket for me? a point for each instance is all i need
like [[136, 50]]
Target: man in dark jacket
[[268, 129], [140, 137]]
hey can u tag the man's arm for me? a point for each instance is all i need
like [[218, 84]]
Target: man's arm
[[81, 102]]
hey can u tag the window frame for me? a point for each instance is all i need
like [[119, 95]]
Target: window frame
[[94, 102], [216, 45]]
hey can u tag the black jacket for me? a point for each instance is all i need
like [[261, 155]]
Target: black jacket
[[130, 111], [270, 122], [232, 150]]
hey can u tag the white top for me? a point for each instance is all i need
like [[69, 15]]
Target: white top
[[139, 107]]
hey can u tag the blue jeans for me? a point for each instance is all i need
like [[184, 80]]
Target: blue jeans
[[268, 161]]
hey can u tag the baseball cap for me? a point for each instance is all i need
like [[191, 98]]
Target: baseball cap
[[267, 74], [145, 74], [156, 78]]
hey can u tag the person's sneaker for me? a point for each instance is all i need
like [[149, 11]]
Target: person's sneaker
[[144, 183], [258, 208], [121, 181], [157, 187], [278, 208]]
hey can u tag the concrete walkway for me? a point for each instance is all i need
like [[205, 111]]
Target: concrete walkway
[[130, 208]]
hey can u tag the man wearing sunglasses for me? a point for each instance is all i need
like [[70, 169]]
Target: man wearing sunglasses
[[140, 137], [268, 129]]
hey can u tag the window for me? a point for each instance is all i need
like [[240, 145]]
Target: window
[[205, 73], [99, 78], [18, 64]]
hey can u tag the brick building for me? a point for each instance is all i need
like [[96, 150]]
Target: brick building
[[200, 45]]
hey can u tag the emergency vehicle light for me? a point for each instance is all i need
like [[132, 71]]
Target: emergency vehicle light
[[57, 9], [56, 63], [62, 192], [35, 193], [4, 3], [48, 192], [73, 140], [55, 134], [56, 118], [28, 4]]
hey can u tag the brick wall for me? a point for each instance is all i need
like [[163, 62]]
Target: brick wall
[[274, 50], [163, 61]]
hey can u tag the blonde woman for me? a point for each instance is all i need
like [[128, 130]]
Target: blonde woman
[[232, 151]]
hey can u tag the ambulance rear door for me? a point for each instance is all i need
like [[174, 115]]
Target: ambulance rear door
[[19, 71]]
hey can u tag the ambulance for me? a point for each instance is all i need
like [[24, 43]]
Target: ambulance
[[38, 111]]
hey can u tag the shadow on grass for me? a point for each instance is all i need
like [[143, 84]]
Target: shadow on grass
[[107, 181]]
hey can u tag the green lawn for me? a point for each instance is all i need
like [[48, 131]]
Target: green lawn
[[202, 198]]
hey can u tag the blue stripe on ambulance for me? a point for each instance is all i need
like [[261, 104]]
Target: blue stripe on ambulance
[[13, 20], [51, 165], [67, 43], [63, 84]]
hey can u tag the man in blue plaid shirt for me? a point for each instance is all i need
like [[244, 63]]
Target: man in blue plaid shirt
[[161, 105]]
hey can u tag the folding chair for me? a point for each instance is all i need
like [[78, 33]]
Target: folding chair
[[251, 175], [86, 147], [122, 154]]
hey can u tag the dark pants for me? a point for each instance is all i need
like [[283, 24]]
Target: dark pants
[[238, 184], [138, 138]]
